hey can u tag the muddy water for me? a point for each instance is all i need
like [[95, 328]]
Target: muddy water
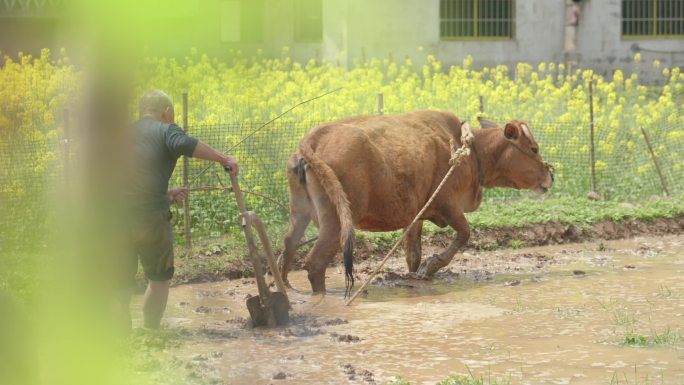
[[546, 315]]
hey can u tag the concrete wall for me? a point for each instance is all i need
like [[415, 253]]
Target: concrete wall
[[538, 37], [397, 28], [385, 28], [354, 29], [602, 47], [28, 35]]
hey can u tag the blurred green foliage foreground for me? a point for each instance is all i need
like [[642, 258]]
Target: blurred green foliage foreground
[[41, 152]]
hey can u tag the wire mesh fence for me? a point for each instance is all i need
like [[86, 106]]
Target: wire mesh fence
[[262, 155], [32, 168], [624, 167]]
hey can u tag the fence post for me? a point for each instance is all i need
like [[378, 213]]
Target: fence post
[[186, 165], [381, 104], [592, 129], [655, 161], [65, 124], [481, 105]]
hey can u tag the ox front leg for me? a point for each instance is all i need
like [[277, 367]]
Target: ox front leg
[[431, 265], [412, 246]]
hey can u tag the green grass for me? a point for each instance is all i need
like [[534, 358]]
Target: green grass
[[218, 258], [458, 379], [634, 339], [627, 324], [516, 244], [571, 211], [666, 337], [616, 379], [213, 217], [567, 210]]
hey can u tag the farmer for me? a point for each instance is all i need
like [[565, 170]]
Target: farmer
[[156, 146]]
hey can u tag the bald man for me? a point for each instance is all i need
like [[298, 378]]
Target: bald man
[[158, 143]]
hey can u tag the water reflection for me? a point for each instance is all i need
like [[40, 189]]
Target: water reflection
[[525, 316]]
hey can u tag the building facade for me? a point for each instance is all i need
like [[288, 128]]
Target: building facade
[[598, 34]]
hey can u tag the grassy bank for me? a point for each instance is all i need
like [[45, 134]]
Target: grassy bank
[[224, 258], [567, 210]]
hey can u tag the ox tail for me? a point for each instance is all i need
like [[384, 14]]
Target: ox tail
[[333, 189]]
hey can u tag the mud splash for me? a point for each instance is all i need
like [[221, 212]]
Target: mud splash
[[566, 314]]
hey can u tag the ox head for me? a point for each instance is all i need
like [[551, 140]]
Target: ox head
[[520, 163]]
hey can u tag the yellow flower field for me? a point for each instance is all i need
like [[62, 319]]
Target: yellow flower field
[[230, 99]]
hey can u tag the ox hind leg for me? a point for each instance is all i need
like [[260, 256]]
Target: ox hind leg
[[412, 246], [300, 217], [432, 264], [328, 243]]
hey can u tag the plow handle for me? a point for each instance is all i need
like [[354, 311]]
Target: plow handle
[[264, 293]]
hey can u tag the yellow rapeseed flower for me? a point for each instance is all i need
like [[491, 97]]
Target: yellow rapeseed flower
[[618, 77], [601, 165]]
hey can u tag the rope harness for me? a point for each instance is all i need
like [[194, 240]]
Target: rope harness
[[457, 156], [548, 166], [526, 132]]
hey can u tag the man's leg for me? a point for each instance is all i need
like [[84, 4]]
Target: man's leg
[[157, 262], [154, 304], [124, 287]]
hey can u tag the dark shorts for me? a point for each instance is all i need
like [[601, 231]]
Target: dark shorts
[[152, 243]]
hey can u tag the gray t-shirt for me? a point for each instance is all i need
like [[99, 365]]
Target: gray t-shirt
[[156, 148]]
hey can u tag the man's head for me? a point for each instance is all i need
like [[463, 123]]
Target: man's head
[[158, 105]]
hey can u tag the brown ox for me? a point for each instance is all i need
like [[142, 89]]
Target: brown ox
[[375, 173]]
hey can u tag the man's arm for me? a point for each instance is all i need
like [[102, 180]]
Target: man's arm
[[206, 152], [177, 195]]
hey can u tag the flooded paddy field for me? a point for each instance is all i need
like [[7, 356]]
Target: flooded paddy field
[[592, 313]]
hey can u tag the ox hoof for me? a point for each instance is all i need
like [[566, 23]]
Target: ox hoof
[[417, 275], [429, 267]]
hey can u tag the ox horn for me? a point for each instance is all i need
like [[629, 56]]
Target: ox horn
[[485, 123], [526, 131]]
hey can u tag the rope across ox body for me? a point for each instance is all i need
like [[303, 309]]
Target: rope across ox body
[[457, 155]]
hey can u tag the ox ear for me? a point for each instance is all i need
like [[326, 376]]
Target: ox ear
[[511, 131], [484, 123]]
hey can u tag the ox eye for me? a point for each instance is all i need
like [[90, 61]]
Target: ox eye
[[535, 150]]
